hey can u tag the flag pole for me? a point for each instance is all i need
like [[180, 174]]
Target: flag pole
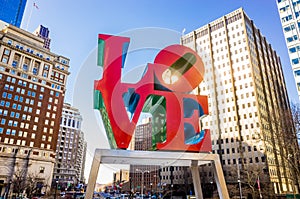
[[29, 17]]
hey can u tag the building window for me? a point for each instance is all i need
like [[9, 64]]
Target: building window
[[4, 94], [14, 64], [16, 98], [295, 61], [35, 71], [8, 131], [25, 67], [4, 60]]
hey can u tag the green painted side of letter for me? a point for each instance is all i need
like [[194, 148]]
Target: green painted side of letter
[[99, 105], [100, 57]]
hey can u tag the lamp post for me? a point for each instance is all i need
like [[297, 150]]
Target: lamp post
[[155, 184], [55, 188], [142, 187], [6, 193], [239, 181]]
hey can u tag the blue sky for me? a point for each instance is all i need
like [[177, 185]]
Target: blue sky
[[74, 26]]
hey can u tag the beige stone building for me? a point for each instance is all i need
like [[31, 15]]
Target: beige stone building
[[32, 88]]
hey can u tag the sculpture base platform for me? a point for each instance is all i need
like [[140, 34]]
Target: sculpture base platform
[[162, 158]]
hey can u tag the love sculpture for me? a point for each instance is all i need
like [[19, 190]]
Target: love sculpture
[[164, 91]]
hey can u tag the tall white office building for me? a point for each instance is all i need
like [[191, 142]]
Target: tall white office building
[[289, 12], [70, 150], [249, 113]]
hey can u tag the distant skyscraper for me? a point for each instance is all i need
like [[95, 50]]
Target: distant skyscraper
[[43, 33], [70, 149], [143, 142], [11, 11], [249, 113], [289, 12]]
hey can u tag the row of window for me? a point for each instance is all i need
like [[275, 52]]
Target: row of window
[[29, 92], [232, 140], [286, 18], [29, 50], [292, 38], [239, 160], [23, 143], [234, 150], [284, 8], [15, 123], [24, 134], [216, 27], [34, 86], [294, 49]]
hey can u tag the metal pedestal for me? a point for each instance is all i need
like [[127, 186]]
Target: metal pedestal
[[162, 158]]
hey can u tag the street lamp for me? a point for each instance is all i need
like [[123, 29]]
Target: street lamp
[[142, 187], [239, 181], [6, 193], [55, 188], [240, 188]]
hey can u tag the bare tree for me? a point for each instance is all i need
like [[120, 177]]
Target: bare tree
[[295, 109], [19, 181], [253, 179], [34, 184], [30, 183], [289, 136], [293, 157], [282, 146]]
